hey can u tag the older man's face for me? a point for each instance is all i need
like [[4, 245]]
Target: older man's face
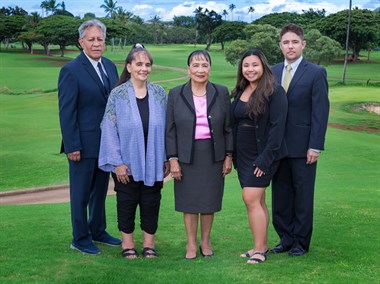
[[93, 43]]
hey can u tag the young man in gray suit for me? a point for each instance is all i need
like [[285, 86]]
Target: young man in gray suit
[[308, 109], [83, 88]]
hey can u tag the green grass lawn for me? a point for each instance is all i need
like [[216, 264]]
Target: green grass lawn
[[35, 239], [344, 248]]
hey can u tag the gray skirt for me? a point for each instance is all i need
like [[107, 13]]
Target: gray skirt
[[202, 185]]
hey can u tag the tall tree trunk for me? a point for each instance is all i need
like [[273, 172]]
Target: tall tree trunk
[[209, 41], [355, 54]]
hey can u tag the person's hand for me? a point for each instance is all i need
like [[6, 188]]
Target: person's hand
[[122, 173], [258, 172], [175, 169], [74, 156], [312, 156], [227, 165], [166, 169]]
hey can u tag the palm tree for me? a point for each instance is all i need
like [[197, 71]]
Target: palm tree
[[49, 5], [156, 23], [251, 10], [53, 6], [110, 7], [232, 8], [44, 6], [225, 13]]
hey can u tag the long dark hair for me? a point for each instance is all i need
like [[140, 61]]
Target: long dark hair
[[136, 48], [259, 98]]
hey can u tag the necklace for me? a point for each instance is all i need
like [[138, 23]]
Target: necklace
[[199, 95]]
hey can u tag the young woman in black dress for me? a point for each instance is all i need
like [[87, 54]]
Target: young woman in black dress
[[259, 114]]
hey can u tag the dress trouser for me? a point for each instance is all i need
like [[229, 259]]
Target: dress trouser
[[293, 202], [88, 191]]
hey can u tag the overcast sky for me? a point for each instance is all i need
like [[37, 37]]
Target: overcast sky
[[167, 9]]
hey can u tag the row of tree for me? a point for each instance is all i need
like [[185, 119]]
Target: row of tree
[[325, 34]]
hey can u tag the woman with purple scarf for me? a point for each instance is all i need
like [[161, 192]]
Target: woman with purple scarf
[[133, 149]]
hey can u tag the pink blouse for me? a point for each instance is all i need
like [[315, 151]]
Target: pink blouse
[[202, 130]]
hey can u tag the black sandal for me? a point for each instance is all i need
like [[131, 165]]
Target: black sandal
[[149, 252], [257, 260], [246, 254], [129, 252]]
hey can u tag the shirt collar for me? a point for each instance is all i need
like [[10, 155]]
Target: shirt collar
[[92, 61], [294, 64]]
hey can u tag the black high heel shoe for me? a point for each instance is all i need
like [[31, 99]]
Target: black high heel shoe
[[205, 255]]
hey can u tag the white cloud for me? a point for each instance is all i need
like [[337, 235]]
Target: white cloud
[[187, 9]]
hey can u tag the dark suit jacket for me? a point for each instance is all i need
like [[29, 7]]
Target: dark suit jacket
[[181, 119], [82, 101], [308, 108], [270, 129]]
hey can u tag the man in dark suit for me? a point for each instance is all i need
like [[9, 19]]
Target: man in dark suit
[[308, 109], [83, 87]]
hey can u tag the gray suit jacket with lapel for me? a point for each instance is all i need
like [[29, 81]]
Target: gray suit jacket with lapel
[[181, 122]]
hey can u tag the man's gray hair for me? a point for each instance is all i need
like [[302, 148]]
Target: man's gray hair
[[91, 23]]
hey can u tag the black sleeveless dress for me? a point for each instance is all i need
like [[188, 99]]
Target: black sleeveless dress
[[246, 150]]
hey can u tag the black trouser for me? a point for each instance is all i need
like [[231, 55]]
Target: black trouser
[[130, 195], [293, 202]]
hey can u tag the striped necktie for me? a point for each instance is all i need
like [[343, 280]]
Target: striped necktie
[[287, 77], [106, 83]]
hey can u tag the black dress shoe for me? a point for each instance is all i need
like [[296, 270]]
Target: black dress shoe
[[296, 251], [278, 249]]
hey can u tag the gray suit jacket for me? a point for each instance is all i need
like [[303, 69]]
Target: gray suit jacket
[[181, 119]]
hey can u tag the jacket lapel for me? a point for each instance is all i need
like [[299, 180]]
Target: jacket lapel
[[91, 71], [298, 75], [211, 95], [187, 96]]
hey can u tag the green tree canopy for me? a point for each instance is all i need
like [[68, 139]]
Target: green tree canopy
[[228, 31], [279, 20], [320, 49], [263, 37], [184, 21], [10, 28], [207, 21], [365, 26], [60, 30], [235, 51]]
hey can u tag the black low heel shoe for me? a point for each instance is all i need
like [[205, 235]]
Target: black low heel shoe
[[205, 255]]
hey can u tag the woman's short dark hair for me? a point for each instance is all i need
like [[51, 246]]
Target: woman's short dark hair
[[199, 54]]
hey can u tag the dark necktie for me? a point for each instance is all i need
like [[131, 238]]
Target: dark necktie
[[106, 83]]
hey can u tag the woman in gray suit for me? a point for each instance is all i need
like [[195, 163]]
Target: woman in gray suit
[[199, 146]]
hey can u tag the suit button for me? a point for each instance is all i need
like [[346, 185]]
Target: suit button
[[212, 130], [258, 140], [209, 117]]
